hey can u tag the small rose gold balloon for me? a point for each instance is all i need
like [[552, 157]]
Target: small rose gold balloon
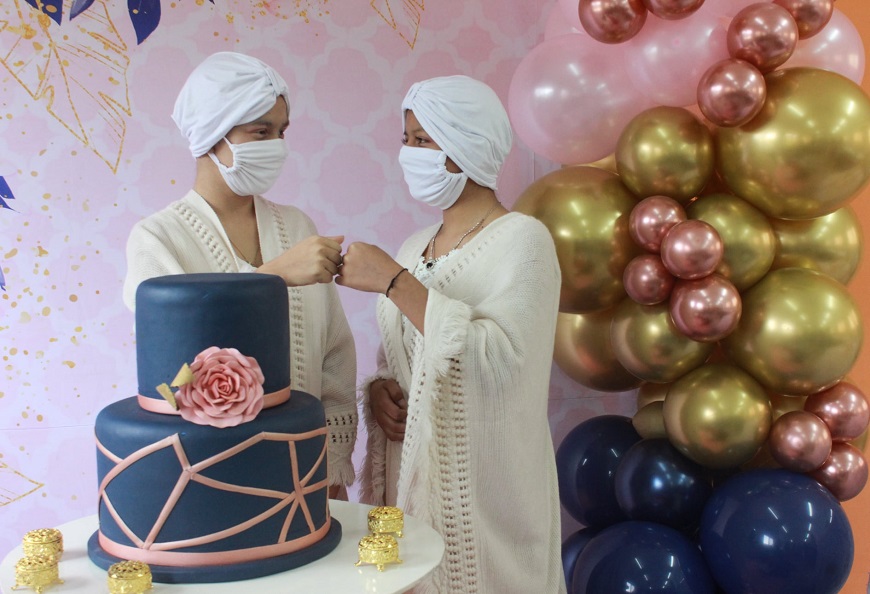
[[763, 34], [800, 441], [844, 473], [652, 218], [811, 16], [843, 408], [646, 280], [672, 9], [612, 21], [731, 92], [692, 249], [706, 309]]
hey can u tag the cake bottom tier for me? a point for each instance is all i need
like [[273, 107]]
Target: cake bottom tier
[[203, 504]]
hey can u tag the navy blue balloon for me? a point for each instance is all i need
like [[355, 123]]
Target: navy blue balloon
[[641, 558], [772, 530], [586, 462], [656, 483], [571, 549]]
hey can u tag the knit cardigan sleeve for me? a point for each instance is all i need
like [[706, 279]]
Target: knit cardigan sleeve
[[148, 256]]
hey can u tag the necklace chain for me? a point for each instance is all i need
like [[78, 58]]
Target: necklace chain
[[242, 254], [430, 260]]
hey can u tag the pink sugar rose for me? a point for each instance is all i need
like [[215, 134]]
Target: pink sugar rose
[[227, 389]]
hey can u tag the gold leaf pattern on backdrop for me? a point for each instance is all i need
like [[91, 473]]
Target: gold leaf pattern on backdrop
[[403, 16], [14, 485], [77, 71]]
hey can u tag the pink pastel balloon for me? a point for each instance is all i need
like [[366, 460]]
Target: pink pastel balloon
[[691, 249], [844, 473], [612, 21], [765, 35], [843, 408], [667, 58], [705, 309], [726, 8], [837, 48], [559, 23], [811, 16], [672, 9], [799, 441], [646, 280], [652, 218], [569, 99], [731, 93]]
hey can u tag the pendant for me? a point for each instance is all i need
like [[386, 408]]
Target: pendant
[[430, 264]]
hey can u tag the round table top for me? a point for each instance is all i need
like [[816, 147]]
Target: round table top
[[420, 550]]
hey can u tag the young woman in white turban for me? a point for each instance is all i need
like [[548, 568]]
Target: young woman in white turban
[[233, 110], [457, 412]]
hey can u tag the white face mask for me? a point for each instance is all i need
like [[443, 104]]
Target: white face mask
[[256, 165], [427, 176]]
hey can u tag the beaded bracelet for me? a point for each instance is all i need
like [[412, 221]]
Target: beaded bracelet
[[393, 282]]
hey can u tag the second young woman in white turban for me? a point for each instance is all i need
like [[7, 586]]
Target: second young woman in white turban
[[457, 411]]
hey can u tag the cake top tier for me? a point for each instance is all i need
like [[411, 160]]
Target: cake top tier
[[179, 316]]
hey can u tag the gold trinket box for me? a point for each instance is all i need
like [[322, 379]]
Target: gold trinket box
[[43, 541], [129, 577], [37, 572], [386, 520], [379, 550]]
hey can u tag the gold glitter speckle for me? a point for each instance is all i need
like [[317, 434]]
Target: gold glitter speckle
[[69, 364]]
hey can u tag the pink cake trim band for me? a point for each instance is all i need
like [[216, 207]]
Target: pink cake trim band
[[217, 558], [164, 408]]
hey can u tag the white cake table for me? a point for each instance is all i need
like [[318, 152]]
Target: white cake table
[[420, 550]]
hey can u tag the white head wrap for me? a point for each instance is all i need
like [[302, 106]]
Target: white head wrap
[[467, 120], [226, 90]]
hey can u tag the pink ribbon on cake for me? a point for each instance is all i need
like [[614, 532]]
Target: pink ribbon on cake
[[164, 408]]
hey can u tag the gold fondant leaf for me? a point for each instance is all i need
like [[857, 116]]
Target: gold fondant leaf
[[184, 376], [167, 394]]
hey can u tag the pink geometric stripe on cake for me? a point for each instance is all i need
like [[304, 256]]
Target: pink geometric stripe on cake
[[161, 552]]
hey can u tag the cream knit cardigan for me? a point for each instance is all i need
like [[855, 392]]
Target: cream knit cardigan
[[187, 237], [477, 462]]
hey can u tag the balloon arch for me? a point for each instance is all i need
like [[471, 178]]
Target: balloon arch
[[710, 149]]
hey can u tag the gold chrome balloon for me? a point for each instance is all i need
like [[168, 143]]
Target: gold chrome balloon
[[665, 151], [649, 346], [830, 244], [807, 152], [649, 422], [800, 332], [746, 233], [583, 352], [651, 392], [586, 210], [717, 415]]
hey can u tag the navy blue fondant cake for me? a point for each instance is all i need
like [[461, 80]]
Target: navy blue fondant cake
[[226, 479]]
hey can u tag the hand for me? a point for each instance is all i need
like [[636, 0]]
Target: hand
[[337, 492], [367, 267], [313, 260], [389, 407]]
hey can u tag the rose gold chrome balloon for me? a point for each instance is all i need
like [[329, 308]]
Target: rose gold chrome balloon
[[671, 10], [844, 473], [843, 408], [731, 92], [692, 249], [799, 441], [811, 16], [705, 309], [646, 280], [652, 218], [612, 21], [763, 34]]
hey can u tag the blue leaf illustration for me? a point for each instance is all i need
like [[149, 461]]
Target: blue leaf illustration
[[78, 7], [53, 8], [5, 194], [145, 16], [2, 281]]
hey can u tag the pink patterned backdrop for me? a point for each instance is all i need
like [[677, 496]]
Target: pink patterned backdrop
[[88, 148]]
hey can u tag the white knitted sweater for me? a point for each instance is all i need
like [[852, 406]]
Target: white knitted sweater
[[187, 237], [478, 461]]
